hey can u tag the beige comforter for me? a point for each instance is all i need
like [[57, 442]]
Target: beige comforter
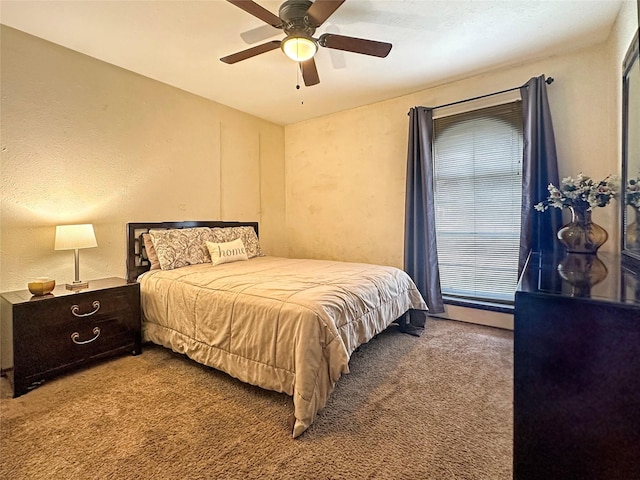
[[282, 324]]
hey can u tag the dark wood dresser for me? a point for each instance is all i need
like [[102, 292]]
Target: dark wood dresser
[[576, 370], [65, 330]]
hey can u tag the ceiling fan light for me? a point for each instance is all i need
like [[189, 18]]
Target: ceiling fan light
[[299, 48]]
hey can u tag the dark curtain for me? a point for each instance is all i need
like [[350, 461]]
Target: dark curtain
[[420, 251], [540, 167]]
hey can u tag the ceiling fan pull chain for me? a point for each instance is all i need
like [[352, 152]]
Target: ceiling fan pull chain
[[298, 81]]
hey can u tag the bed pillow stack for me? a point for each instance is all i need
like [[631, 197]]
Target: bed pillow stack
[[174, 248]]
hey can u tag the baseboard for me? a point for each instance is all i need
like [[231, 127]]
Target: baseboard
[[477, 316]]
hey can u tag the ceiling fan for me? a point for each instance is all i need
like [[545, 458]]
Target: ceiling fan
[[299, 20]]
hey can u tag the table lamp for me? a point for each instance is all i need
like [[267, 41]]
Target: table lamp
[[75, 237]]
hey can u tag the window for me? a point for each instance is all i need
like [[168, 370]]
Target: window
[[478, 194]]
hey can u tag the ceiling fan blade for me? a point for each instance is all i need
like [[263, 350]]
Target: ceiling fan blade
[[309, 72], [356, 45], [251, 52], [256, 10], [320, 10], [259, 34]]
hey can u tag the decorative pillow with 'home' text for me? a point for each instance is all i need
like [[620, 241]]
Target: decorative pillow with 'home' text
[[227, 252]]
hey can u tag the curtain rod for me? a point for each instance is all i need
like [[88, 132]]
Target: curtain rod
[[548, 81]]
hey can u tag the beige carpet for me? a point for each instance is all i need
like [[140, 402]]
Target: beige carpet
[[434, 407]]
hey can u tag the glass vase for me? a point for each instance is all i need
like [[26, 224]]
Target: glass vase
[[581, 234], [633, 230], [582, 271]]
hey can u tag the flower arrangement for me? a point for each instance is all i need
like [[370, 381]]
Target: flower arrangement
[[632, 195], [581, 192]]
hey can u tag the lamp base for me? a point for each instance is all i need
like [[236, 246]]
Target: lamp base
[[77, 285]]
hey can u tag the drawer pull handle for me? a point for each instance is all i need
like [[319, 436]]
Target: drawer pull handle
[[75, 309], [76, 335]]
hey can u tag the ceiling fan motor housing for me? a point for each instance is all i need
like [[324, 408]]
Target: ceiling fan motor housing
[[294, 15]]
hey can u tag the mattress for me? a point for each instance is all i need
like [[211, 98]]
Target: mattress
[[288, 325]]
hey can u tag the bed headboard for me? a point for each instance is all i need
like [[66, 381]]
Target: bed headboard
[[137, 263]]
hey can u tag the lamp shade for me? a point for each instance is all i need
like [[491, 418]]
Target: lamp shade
[[299, 48], [71, 237]]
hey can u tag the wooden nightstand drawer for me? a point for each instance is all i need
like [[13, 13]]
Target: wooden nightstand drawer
[[69, 329]]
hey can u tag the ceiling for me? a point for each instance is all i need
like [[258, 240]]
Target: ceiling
[[180, 43]]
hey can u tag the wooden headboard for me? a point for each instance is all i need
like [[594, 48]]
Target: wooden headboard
[[137, 262]]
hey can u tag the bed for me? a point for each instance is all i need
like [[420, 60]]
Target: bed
[[288, 325]]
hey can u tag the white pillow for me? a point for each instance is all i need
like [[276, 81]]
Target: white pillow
[[227, 252]]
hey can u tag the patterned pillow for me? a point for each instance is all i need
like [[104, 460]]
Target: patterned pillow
[[179, 247], [247, 234], [227, 252]]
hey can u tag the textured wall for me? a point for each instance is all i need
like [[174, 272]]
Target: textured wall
[[346, 172], [84, 141]]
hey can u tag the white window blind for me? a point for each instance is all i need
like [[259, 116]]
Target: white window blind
[[478, 192]]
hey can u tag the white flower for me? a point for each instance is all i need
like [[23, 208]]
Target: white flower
[[632, 194], [581, 192]]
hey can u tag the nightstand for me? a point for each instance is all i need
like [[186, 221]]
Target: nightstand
[[65, 330]]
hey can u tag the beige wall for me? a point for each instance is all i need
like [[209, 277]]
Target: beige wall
[[85, 141], [345, 173]]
